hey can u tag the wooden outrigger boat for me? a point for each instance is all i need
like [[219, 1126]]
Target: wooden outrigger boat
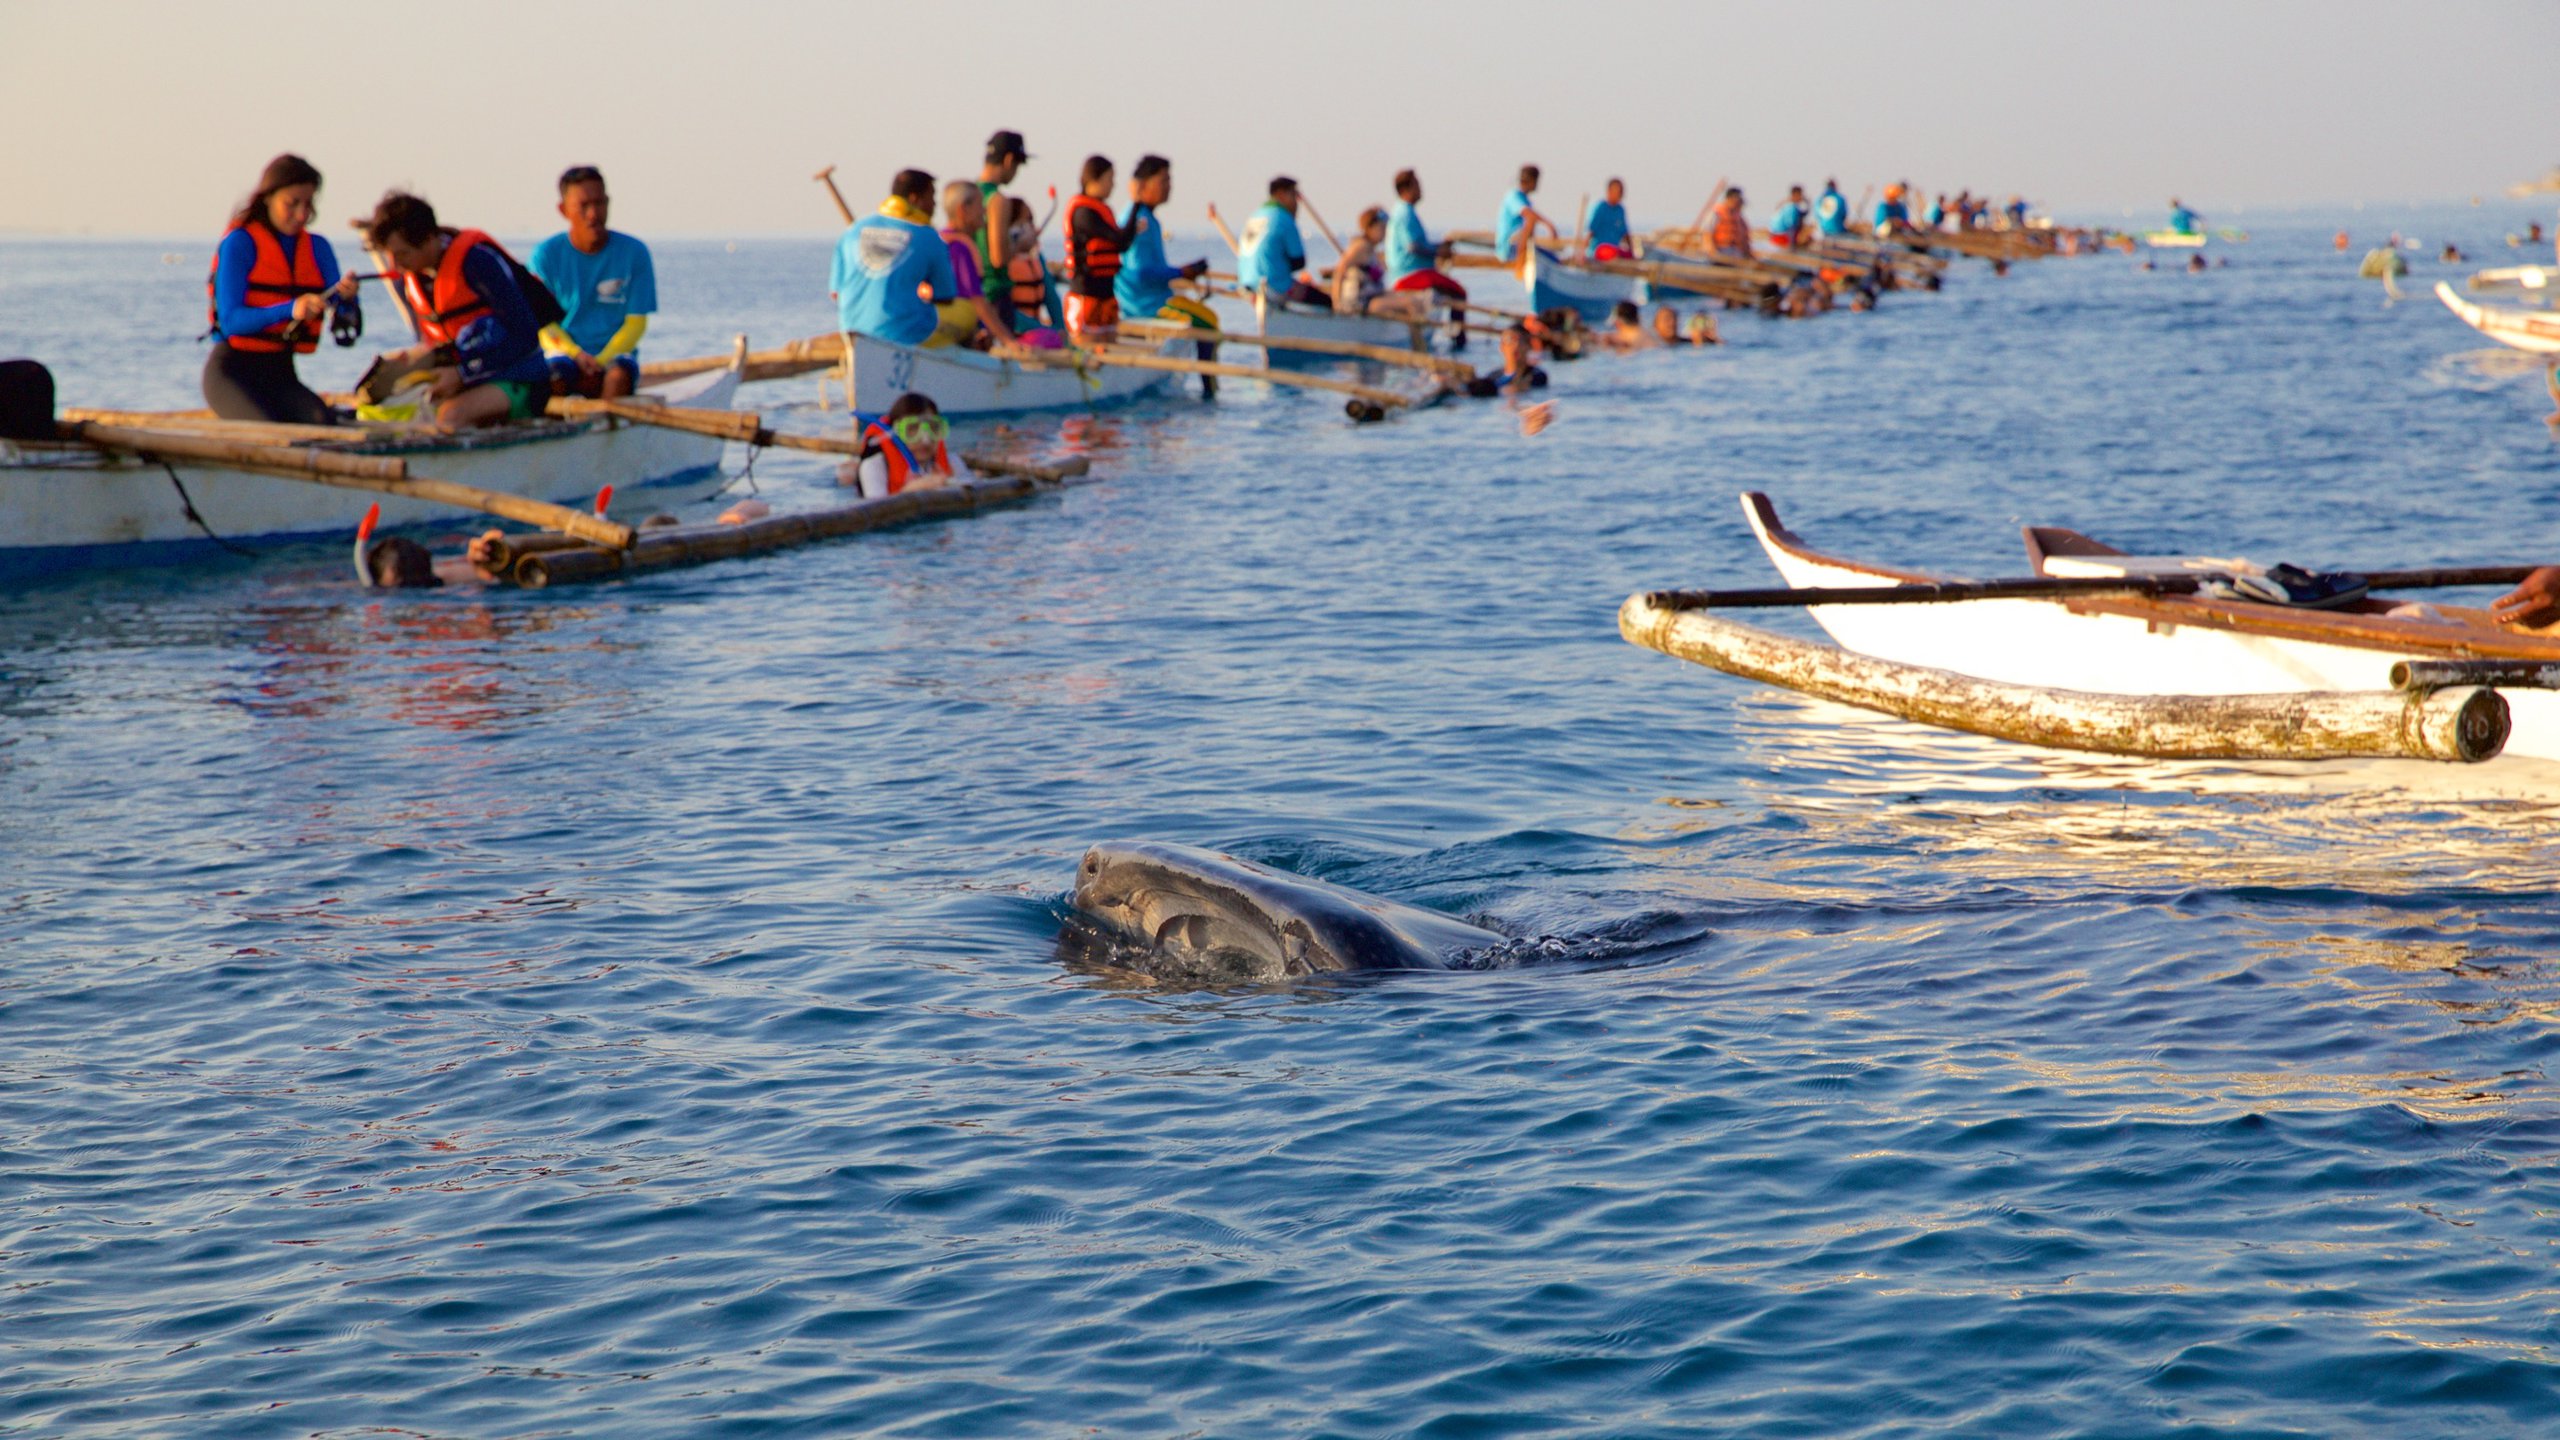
[[1280, 320], [1556, 283], [68, 505], [2540, 282], [2187, 655], [2527, 330]]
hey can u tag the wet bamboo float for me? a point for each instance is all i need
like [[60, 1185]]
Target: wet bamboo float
[[536, 562], [2459, 723]]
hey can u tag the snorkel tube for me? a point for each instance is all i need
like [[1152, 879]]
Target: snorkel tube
[[364, 535]]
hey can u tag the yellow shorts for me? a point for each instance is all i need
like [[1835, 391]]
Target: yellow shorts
[[959, 322], [1199, 315]]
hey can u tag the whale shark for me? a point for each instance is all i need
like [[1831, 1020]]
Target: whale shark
[[1211, 912]]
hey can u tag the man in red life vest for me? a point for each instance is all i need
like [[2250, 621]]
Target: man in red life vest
[[478, 313]]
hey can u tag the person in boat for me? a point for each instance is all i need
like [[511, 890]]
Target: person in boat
[[1005, 157], [1786, 231], [1520, 219], [1729, 229], [2182, 220], [1607, 224], [1028, 297], [1831, 212], [1360, 277], [268, 295], [1937, 217], [606, 282], [1096, 246], [1892, 216], [2017, 212], [1273, 259], [1413, 261], [906, 446], [480, 315], [1145, 285], [891, 270], [968, 319]]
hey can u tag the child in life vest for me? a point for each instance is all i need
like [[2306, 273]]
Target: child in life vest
[[1029, 293], [904, 447]]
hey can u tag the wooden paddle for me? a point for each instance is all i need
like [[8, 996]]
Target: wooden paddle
[[1225, 234], [1581, 220], [1326, 230], [827, 177], [386, 474], [1709, 208]]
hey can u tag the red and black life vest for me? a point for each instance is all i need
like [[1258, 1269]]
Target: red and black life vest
[[274, 280], [1094, 260], [442, 304]]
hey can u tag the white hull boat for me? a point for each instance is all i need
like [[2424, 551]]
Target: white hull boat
[[2159, 645], [2531, 282], [2174, 239], [2526, 330], [1283, 321], [970, 382], [70, 506], [1557, 283]]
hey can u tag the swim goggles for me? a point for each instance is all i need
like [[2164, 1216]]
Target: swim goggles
[[922, 431]]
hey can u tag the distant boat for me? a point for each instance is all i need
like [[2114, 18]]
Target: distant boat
[[2549, 182], [2173, 239]]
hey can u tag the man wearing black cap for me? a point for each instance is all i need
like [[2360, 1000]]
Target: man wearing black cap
[[1004, 161]]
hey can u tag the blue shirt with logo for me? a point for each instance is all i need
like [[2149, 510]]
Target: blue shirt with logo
[[599, 291], [1831, 214], [1790, 219], [1273, 253], [879, 264]]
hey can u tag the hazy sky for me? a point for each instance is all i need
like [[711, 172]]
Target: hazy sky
[[153, 118]]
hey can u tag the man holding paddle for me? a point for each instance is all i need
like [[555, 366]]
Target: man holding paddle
[[1520, 218], [1274, 256]]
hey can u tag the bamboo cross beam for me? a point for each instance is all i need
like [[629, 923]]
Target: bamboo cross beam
[[383, 474]]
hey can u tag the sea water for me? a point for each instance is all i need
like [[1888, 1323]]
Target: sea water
[[639, 1009]]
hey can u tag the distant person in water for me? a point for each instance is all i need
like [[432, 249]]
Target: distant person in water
[[2452, 254], [606, 282], [1627, 329], [269, 294]]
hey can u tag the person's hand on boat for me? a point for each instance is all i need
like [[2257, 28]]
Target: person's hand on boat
[[444, 383], [2535, 602], [483, 553], [308, 308]]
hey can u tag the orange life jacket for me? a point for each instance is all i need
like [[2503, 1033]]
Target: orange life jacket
[[1092, 260], [273, 280], [902, 460], [1028, 283], [1731, 232], [442, 306]]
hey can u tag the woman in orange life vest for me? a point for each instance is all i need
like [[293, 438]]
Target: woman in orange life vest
[[1095, 242], [271, 285], [1731, 232], [902, 447], [479, 315]]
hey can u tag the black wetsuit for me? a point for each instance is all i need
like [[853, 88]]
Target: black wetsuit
[[260, 385]]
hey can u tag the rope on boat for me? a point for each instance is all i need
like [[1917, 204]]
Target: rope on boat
[[187, 502]]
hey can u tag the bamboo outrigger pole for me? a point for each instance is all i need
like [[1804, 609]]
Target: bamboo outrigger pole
[[384, 474], [1350, 349]]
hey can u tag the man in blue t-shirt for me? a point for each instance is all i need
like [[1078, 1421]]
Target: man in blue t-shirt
[[883, 263], [1520, 217], [603, 278], [1831, 212], [1273, 259], [1607, 224]]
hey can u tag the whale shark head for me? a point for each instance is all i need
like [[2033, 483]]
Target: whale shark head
[[1208, 911]]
